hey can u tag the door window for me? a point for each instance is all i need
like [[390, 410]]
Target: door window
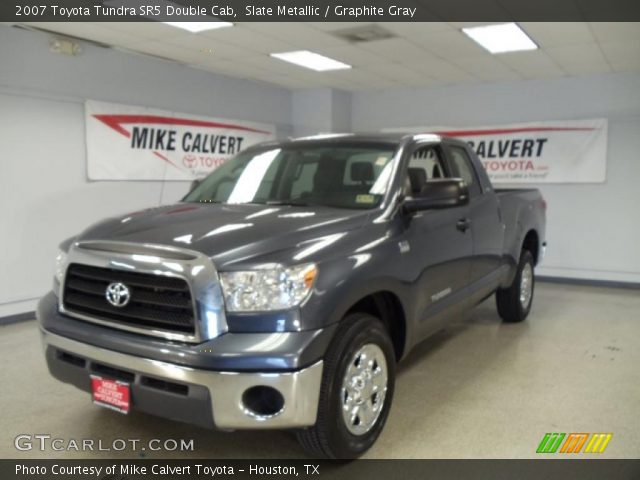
[[461, 166], [425, 164]]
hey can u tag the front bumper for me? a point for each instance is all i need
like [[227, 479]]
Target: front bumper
[[203, 397]]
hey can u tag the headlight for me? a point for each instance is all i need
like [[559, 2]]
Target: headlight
[[61, 264], [267, 289]]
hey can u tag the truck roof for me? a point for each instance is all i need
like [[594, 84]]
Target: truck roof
[[391, 139]]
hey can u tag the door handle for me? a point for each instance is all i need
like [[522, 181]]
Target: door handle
[[463, 224]]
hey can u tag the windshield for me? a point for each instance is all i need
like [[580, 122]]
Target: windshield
[[336, 176]]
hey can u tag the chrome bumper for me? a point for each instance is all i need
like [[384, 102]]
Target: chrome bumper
[[300, 389]]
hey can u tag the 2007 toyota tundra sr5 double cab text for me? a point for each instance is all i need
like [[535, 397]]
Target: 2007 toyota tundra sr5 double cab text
[[282, 290]]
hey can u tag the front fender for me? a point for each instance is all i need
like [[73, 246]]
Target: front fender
[[343, 282]]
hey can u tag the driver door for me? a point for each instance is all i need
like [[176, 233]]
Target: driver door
[[441, 247]]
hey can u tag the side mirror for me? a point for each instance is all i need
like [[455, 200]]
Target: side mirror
[[441, 193], [195, 183]]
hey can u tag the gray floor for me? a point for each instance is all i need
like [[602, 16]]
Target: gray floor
[[480, 389]]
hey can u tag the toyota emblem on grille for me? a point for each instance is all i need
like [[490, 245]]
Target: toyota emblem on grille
[[117, 294]]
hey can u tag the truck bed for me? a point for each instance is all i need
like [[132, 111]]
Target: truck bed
[[516, 211]]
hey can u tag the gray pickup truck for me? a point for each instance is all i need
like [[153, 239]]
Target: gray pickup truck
[[283, 289]]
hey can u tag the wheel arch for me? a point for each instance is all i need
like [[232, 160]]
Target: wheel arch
[[387, 306], [531, 242]]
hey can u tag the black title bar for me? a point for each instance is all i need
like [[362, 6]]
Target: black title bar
[[318, 10], [558, 469]]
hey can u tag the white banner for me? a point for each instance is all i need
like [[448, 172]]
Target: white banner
[[541, 152], [136, 143]]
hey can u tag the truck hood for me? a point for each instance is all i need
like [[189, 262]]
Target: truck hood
[[232, 234]]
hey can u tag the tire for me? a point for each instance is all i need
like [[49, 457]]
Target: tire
[[513, 302], [332, 436]]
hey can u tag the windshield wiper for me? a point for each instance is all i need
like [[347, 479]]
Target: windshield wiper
[[291, 203]]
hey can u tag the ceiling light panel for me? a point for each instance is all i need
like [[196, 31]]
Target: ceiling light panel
[[501, 38], [313, 61], [195, 27]]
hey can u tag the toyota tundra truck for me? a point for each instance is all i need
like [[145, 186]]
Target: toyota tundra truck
[[283, 289]]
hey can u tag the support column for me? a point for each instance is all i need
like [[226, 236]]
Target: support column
[[322, 110]]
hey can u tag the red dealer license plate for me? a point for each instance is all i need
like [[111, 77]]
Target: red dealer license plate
[[111, 394]]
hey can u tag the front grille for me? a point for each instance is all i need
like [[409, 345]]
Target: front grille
[[156, 301]]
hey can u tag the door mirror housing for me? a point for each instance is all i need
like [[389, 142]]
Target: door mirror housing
[[440, 193]]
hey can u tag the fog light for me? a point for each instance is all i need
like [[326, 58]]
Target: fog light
[[262, 402]]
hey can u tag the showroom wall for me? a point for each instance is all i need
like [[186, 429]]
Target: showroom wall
[[593, 229], [42, 145]]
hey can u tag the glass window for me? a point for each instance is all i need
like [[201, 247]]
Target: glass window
[[425, 164], [349, 176], [304, 179], [462, 168]]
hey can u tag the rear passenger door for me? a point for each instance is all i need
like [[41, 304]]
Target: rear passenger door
[[486, 225]]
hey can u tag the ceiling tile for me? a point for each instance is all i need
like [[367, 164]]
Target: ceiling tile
[[278, 67], [232, 67], [397, 50], [146, 30], [166, 51], [532, 64], [356, 75], [449, 44], [391, 71], [487, 68], [587, 68], [350, 54], [251, 40], [528, 61], [578, 54], [87, 31], [617, 31], [622, 56], [549, 34], [445, 72], [302, 35], [199, 43]]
